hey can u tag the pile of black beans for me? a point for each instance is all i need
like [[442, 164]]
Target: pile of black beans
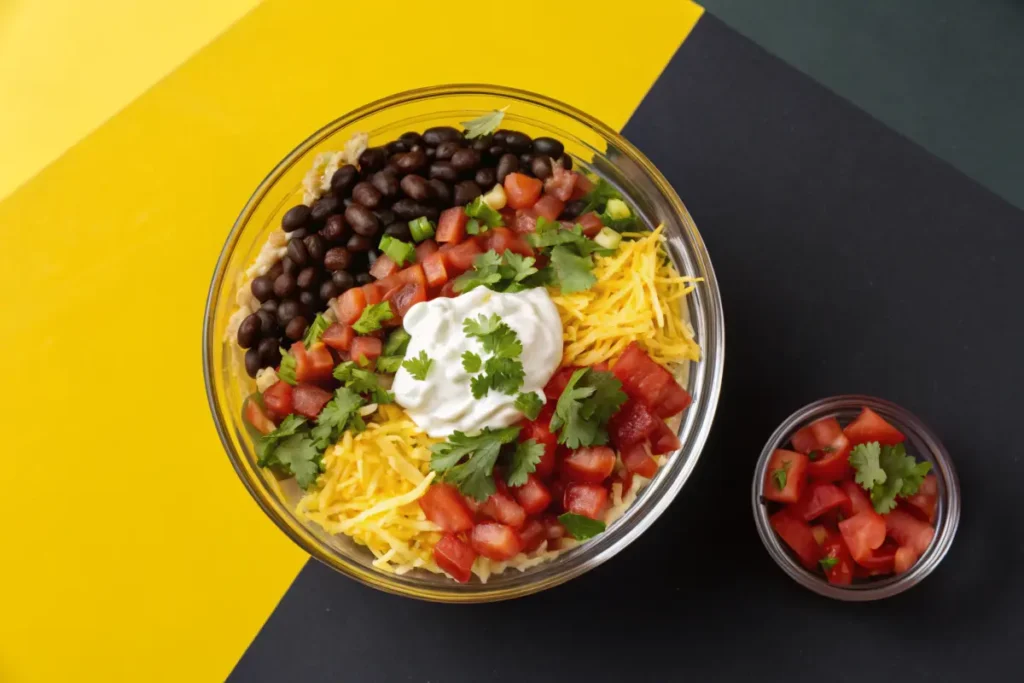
[[333, 242]]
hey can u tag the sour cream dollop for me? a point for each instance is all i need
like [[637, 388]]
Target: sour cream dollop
[[443, 402]]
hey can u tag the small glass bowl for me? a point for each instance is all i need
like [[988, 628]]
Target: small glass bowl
[[921, 443]]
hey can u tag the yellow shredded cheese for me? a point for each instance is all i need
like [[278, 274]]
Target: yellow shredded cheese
[[639, 297]]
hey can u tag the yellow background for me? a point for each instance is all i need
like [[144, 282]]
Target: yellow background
[[131, 552]]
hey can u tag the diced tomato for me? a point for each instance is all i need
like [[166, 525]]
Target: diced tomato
[[460, 257], [828, 448], [349, 306], [257, 416], [638, 461], [818, 498], [451, 226], [338, 336], [278, 400], [522, 190], [796, 533], [840, 572], [435, 270], [495, 541], [553, 530], [549, 206], [904, 559], [882, 560], [448, 290], [369, 348], [635, 369], [556, 385], [532, 535], [454, 556], [591, 223], [314, 364], [870, 426], [863, 532], [785, 476], [525, 221], [589, 465], [539, 430], [909, 531], [309, 399], [533, 496], [585, 499], [425, 249], [501, 507], [560, 184], [404, 297], [859, 501], [444, 506], [383, 267], [502, 239], [508, 215], [631, 424], [664, 440], [582, 188], [925, 502], [624, 478], [373, 293]]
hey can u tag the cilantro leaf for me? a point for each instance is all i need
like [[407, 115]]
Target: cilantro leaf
[[495, 336], [550, 234], [483, 213], [265, 445], [529, 404], [887, 472], [316, 329], [372, 316], [579, 527], [299, 456], [471, 362], [508, 272], [286, 372], [864, 459], [780, 475], [517, 270], [896, 462], [481, 326], [504, 374], [574, 273], [419, 366], [586, 403], [597, 198], [484, 125], [479, 385], [339, 413], [828, 562], [468, 461], [362, 382], [398, 342], [524, 461], [389, 364]]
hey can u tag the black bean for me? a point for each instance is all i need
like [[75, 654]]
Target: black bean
[[270, 306], [418, 148], [438, 134], [316, 247], [252, 362], [385, 216], [301, 233], [541, 167], [573, 209], [324, 207], [297, 252], [343, 280], [431, 152], [508, 163], [270, 352], [442, 192], [268, 321], [358, 244], [386, 182], [397, 147], [334, 229], [338, 258], [549, 146], [274, 271], [412, 137], [566, 161], [406, 209], [328, 290], [295, 218], [346, 202], [431, 213], [415, 187], [366, 194], [364, 279], [371, 257], [296, 328], [443, 170], [399, 231], [465, 192], [392, 166], [411, 161], [262, 288], [495, 151], [486, 177], [499, 136], [284, 286], [525, 159], [466, 160], [446, 149], [286, 311], [309, 303], [362, 220], [288, 266], [518, 142], [343, 180], [308, 278], [249, 331], [482, 143], [372, 159]]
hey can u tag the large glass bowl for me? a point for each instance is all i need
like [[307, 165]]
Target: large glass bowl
[[593, 146]]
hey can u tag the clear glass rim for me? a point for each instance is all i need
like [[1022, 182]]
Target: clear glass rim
[[947, 521], [713, 347]]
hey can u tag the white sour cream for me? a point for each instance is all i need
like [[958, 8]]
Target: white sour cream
[[443, 402]]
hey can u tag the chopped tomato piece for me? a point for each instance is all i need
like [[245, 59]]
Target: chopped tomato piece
[[585, 499], [373, 293], [454, 556], [631, 424], [882, 559], [589, 465], [522, 190], [909, 531], [904, 559], [870, 426], [257, 416], [549, 206], [635, 369], [501, 507], [524, 221], [539, 430], [349, 306], [785, 476], [451, 226], [425, 249], [403, 298], [502, 239], [556, 385], [638, 460], [338, 336], [560, 184], [383, 267], [859, 501], [369, 348], [554, 531], [827, 447], [863, 532], [840, 565], [435, 270], [591, 223], [278, 400], [460, 257], [532, 535], [796, 533], [533, 496], [448, 290], [925, 502], [818, 498], [309, 399], [664, 440], [583, 187], [444, 506], [314, 364], [495, 541]]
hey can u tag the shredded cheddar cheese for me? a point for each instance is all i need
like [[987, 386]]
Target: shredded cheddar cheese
[[639, 297]]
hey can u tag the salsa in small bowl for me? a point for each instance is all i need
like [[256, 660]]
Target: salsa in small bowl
[[855, 498]]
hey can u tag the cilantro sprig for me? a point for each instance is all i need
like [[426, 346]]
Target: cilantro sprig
[[524, 461], [582, 411], [468, 461], [570, 253], [580, 527], [372, 316], [502, 371], [362, 382], [508, 272], [316, 330], [394, 351], [481, 216], [286, 371], [887, 472], [418, 366], [529, 404]]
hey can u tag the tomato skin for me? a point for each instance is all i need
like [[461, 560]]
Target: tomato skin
[[373, 292], [540, 431], [859, 501], [444, 506], [834, 466], [796, 533], [425, 249], [366, 347], [820, 497], [825, 437], [402, 298], [556, 385], [454, 556], [257, 416], [278, 400], [631, 424], [904, 559], [583, 187], [863, 532], [309, 399], [448, 290], [349, 306], [664, 440], [882, 560], [314, 364], [501, 507], [521, 190], [591, 223], [560, 184], [338, 336], [841, 573], [870, 426], [495, 541], [589, 465], [795, 466], [548, 206], [588, 500], [909, 531], [435, 270], [925, 502], [635, 369], [383, 267], [637, 461], [451, 225], [460, 257], [533, 496], [502, 239], [532, 535]]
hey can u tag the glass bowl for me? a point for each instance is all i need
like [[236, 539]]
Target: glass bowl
[[593, 146], [921, 443]]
